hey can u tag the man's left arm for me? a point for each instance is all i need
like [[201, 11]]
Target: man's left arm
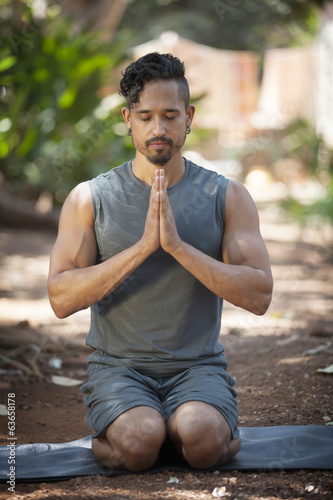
[[244, 276]]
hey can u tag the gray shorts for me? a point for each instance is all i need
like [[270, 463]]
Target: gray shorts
[[110, 391]]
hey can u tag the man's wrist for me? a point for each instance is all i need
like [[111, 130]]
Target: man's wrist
[[143, 249], [179, 249]]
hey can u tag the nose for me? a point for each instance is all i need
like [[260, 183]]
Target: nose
[[158, 127]]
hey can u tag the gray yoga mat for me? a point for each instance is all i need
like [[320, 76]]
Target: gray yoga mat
[[262, 449]]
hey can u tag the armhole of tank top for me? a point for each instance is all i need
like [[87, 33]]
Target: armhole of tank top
[[222, 193], [94, 196]]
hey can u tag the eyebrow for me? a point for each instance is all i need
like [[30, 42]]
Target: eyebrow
[[171, 110]]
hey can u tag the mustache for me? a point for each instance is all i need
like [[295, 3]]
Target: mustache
[[158, 139]]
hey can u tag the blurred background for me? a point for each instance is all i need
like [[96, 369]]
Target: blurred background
[[260, 72], [261, 78]]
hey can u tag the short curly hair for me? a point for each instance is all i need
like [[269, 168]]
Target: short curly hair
[[153, 66]]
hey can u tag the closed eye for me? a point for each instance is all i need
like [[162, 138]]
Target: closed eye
[[167, 117]]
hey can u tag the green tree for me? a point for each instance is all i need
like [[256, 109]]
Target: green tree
[[56, 128], [301, 141], [226, 24]]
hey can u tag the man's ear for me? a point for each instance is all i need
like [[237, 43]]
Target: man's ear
[[127, 116], [190, 114]]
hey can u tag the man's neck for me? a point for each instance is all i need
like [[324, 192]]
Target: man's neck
[[145, 171]]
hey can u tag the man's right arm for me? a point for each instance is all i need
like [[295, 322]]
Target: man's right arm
[[75, 280]]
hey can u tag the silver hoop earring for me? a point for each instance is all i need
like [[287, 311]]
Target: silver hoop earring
[[129, 132], [188, 129]]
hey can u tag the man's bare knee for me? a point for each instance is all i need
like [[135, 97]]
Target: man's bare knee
[[141, 443], [204, 452], [133, 440], [203, 435], [107, 455], [139, 454]]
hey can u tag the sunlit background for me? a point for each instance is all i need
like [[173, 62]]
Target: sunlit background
[[261, 76]]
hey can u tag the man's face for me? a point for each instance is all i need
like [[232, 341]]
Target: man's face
[[158, 121]]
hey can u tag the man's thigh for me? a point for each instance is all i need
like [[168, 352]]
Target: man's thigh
[[208, 384], [112, 391]]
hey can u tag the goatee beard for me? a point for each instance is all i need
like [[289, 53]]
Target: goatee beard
[[159, 159]]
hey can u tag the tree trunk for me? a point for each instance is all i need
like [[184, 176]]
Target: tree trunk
[[325, 76], [18, 213], [104, 15]]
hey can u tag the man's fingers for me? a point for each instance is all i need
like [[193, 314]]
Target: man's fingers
[[164, 200], [154, 188], [169, 237], [154, 199], [159, 174], [152, 231], [162, 181]]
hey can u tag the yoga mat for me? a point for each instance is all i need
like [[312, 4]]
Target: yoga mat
[[262, 449]]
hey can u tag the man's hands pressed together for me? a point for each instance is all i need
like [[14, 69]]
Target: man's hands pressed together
[[76, 282], [243, 280], [160, 228]]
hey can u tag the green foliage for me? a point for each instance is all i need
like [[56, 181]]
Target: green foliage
[[55, 129], [321, 209], [301, 141], [226, 24]]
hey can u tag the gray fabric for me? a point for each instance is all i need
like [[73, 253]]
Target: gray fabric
[[262, 449], [113, 390], [161, 319]]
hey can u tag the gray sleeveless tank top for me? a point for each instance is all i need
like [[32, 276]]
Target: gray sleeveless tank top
[[161, 319]]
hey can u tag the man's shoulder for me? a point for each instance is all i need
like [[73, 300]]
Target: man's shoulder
[[206, 170], [119, 171], [238, 190], [239, 199], [209, 179]]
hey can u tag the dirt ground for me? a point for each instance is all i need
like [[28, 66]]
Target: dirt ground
[[274, 359]]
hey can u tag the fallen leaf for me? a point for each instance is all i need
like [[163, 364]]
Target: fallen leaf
[[173, 480], [264, 350], [65, 381], [3, 410], [318, 349], [287, 340], [276, 314], [328, 369], [219, 492], [55, 363]]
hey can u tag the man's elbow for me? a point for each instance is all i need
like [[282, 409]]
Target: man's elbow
[[260, 306], [58, 308], [61, 304], [57, 302], [60, 313], [262, 299]]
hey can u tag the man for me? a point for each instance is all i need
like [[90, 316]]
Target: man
[[153, 247]]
